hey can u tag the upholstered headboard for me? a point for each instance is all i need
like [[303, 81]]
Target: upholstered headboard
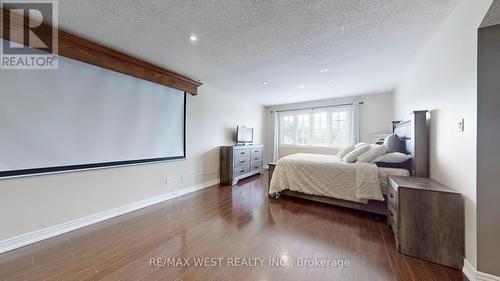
[[413, 134]]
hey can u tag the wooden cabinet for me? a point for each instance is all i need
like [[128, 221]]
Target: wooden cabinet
[[240, 161], [427, 219]]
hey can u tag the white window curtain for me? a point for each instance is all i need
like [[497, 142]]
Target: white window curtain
[[276, 130], [355, 122], [326, 126]]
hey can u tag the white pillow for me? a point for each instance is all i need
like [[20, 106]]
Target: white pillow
[[374, 152], [393, 157], [353, 155], [359, 144], [343, 152]]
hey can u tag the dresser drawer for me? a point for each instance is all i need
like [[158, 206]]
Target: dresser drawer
[[256, 158], [241, 154], [392, 196], [257, 151], [256, 166], [392, 217], [242, 162], [396, 235], [241, 171]]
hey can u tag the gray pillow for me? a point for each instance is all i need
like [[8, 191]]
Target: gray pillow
[[393, 143]]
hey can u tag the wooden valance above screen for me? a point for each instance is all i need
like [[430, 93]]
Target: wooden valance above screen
[[74, 47]]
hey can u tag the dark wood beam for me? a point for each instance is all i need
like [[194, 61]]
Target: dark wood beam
[[74, 47]]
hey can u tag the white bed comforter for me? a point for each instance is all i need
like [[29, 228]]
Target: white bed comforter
[[326, 175]]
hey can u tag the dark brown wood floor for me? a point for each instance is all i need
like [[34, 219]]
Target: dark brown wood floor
[[225, 222]]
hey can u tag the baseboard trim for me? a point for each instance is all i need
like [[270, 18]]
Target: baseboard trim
[[481, 276], [469, 271], [474, 275], [52, 231]]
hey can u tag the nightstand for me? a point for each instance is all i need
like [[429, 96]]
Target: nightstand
[[427, 219]]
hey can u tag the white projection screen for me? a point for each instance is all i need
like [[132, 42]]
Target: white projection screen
[[82, 116]]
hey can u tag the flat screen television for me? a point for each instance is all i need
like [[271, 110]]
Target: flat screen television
[[244, 134]]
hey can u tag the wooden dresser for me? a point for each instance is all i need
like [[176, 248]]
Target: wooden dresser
[[240, 161], [427, 219]]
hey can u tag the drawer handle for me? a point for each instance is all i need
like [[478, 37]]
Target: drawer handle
[[390, 195], [256, 158], [256, 167], [242, 161], [242, 171], [390, 213], [242, 152]]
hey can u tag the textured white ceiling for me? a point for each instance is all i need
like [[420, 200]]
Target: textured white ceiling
[[366, 44]]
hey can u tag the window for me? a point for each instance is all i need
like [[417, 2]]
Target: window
[[339, 132], [303, 129], [320, 128], [328, 127], [288, 125]]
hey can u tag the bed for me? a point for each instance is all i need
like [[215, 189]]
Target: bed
[[362, 186]]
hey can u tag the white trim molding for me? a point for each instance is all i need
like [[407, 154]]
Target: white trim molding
[[469, 271], [474, 275], [52, 231]]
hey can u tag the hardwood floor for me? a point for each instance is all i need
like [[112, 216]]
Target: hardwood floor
[[226, 222]]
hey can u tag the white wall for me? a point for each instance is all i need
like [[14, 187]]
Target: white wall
[[444, 80], [375, 117], [31, 203]]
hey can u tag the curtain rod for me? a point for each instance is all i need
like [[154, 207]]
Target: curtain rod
[[315, 107]]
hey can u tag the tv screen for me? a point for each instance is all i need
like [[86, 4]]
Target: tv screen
[[244, 134]]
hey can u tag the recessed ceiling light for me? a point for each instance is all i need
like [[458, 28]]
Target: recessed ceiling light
[[193, 38], [323, 70], [265, 83], [302, 86]]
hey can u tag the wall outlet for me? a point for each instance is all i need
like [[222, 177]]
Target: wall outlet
[[461, 125], [168, 180], [184, 177]]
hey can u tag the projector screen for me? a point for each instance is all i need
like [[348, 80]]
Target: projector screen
[[82, 116]]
